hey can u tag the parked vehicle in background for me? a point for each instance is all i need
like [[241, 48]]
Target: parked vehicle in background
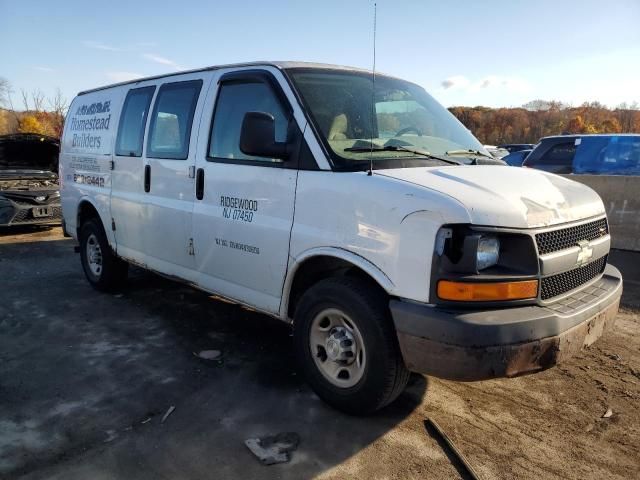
[[379, 237], [29, 180], [516, 158], [516, 147], [598, 154], [496, 152]]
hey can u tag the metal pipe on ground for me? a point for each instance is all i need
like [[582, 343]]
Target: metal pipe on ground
[[458, 460]]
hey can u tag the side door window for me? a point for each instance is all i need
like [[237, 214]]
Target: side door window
[[132, 122], [172, 118], [235, 99], [127, 176]]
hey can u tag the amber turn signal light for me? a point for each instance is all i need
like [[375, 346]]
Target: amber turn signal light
[[487, 292]]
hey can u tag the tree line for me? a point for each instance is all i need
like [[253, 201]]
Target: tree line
[[539, 118]]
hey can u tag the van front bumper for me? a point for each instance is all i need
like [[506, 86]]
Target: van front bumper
[[468, 345]]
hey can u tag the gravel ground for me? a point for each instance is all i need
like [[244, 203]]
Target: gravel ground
[[85, 379]]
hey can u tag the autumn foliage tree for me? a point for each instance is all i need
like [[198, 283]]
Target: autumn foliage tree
[[31, 124]]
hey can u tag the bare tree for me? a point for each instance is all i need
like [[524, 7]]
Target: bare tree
[[58, 103], [25, 99], [5, 91], [33, 101]]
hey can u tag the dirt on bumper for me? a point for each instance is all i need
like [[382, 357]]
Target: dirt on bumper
[[480, 363], [483, 344]]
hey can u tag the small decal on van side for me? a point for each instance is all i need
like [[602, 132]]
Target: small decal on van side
[[221, 242], [86, 164], [93, 180], [240, 209]]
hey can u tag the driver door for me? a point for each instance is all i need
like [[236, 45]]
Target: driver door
[[244, 207]]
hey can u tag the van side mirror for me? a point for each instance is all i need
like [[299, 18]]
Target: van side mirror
[[258, 136]]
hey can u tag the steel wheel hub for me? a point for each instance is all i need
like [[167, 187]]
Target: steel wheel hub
[[337, 348], [340, 346], [94, 255]]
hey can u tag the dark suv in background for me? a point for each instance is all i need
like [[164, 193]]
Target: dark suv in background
[[605, 154]]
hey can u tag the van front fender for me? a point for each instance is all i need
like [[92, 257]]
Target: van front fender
[[338, 253]]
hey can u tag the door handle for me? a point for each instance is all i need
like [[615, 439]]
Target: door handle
[[147, 178], [200, 184]]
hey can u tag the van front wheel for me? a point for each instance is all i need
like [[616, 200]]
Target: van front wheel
[[104, 270], [347, 347]]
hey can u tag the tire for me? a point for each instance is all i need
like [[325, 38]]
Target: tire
[[357, 381], [103, 269]]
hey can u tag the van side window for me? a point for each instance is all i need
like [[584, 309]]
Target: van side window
[[132, 122], [172, 118], [234, 100]]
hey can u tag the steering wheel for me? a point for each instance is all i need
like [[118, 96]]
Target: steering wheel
[[407, 130]]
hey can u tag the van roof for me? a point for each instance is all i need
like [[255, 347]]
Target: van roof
[[277, 64]]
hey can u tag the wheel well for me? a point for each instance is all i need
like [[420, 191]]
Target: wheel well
[[86, 211], [318, 268]]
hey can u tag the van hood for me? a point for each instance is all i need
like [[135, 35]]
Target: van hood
[[509, 197]]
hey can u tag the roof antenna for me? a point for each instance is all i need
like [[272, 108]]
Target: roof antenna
[[373, 90]]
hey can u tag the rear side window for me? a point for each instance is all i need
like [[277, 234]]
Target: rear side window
[[560, 154], [132, 122], [234, 100], [172, 118]]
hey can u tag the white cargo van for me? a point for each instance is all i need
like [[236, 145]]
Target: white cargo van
[[360, 211]]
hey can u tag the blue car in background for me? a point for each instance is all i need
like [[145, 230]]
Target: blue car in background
[[599, 154], [515, 159]]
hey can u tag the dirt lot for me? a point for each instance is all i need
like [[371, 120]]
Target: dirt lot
[[85, 379]]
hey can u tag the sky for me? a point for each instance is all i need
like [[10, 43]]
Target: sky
[[495, 53]]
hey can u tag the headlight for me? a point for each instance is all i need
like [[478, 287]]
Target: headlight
[[488, 252]]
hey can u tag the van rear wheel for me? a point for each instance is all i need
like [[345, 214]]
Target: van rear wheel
[[347, 347], [103, 269]]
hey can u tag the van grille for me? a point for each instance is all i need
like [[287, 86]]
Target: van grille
[[555, 240], [564, 282]]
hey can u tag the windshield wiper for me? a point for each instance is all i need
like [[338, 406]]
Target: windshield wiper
[[400, 148], [453, 153]]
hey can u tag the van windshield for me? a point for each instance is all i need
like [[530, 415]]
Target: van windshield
[[406, 116]]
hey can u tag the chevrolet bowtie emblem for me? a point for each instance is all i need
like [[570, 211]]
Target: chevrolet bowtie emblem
[[585, 253]]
